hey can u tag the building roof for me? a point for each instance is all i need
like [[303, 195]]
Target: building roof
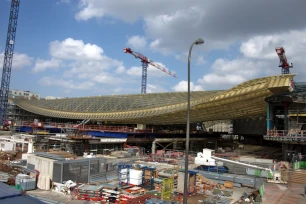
[[246, 99]]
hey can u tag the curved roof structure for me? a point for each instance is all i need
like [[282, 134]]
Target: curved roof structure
[[246, 99]]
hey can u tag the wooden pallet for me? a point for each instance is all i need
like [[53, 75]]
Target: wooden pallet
[[298, 176]]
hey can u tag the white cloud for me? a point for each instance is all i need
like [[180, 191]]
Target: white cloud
[[259, 59], [105, 78], [261, 49], [183, 86], [173, 25], [134, 71], [200, 60], [227, 73], [182, 57], [85, 63], [154, 88], [66, 84], [120, 70], [137, 42], [70, 49], [19, 60], [42, 65]]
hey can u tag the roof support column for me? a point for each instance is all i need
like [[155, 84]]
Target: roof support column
[[286, 106], [269, 117], [141, 126], [153, 147]]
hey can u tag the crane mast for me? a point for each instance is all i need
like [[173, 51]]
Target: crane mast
[[8, 59], [283, 62], [145, 62]]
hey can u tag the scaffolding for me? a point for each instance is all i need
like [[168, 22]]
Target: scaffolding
[[148, 177]]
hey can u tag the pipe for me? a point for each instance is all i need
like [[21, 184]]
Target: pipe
[[241, 164]]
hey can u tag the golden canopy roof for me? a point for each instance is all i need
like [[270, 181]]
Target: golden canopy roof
[[243, 100]]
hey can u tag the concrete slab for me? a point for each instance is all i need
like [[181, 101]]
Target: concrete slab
[[54, 196], [281, 194]]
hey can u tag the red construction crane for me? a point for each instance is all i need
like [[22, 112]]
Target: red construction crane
[[145, 62], [283, 62]]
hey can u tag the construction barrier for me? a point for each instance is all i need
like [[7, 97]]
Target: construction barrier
[[299, 165], [262, 189]]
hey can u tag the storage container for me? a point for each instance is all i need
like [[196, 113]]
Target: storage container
[[26, 182]]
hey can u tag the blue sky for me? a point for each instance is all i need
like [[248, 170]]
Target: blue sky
[[75, 48]]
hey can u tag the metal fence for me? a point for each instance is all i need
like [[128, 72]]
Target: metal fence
[[80, 170]]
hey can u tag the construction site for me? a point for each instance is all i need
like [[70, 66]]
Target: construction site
[[241, 145]]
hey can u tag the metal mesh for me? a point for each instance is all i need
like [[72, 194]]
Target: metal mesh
[[94, 167], [77, 171], [57, 172]]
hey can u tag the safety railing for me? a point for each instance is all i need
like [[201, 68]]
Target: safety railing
[[86, 127], [47, 124], [292, 111], [105, 128], [286, 133]]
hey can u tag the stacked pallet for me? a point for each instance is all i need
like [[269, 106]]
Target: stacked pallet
[[298, 176], [4, 177], [110, 195]]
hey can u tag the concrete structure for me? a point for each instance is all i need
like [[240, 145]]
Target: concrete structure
[[23, 94]]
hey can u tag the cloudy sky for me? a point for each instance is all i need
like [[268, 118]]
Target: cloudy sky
[[71, 48]]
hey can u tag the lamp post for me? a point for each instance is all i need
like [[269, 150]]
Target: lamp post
[[199, 41]]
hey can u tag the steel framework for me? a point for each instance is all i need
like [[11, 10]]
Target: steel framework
[[8, 59], [244, 100], [145, 63], [283, 62], [124, 176], [144, 78]]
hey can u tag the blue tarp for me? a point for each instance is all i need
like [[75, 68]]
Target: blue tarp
[[21, 200], [10, 195], [7, 191]]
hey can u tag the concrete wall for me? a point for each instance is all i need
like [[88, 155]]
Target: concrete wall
[[43, 165], [6, 146]]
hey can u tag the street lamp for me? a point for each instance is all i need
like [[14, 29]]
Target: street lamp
[[199, 41]]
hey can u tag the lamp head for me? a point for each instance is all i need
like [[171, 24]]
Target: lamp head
[[199, 41]]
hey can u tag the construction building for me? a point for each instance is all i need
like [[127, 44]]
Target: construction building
[[23, 94], [252, 109]]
